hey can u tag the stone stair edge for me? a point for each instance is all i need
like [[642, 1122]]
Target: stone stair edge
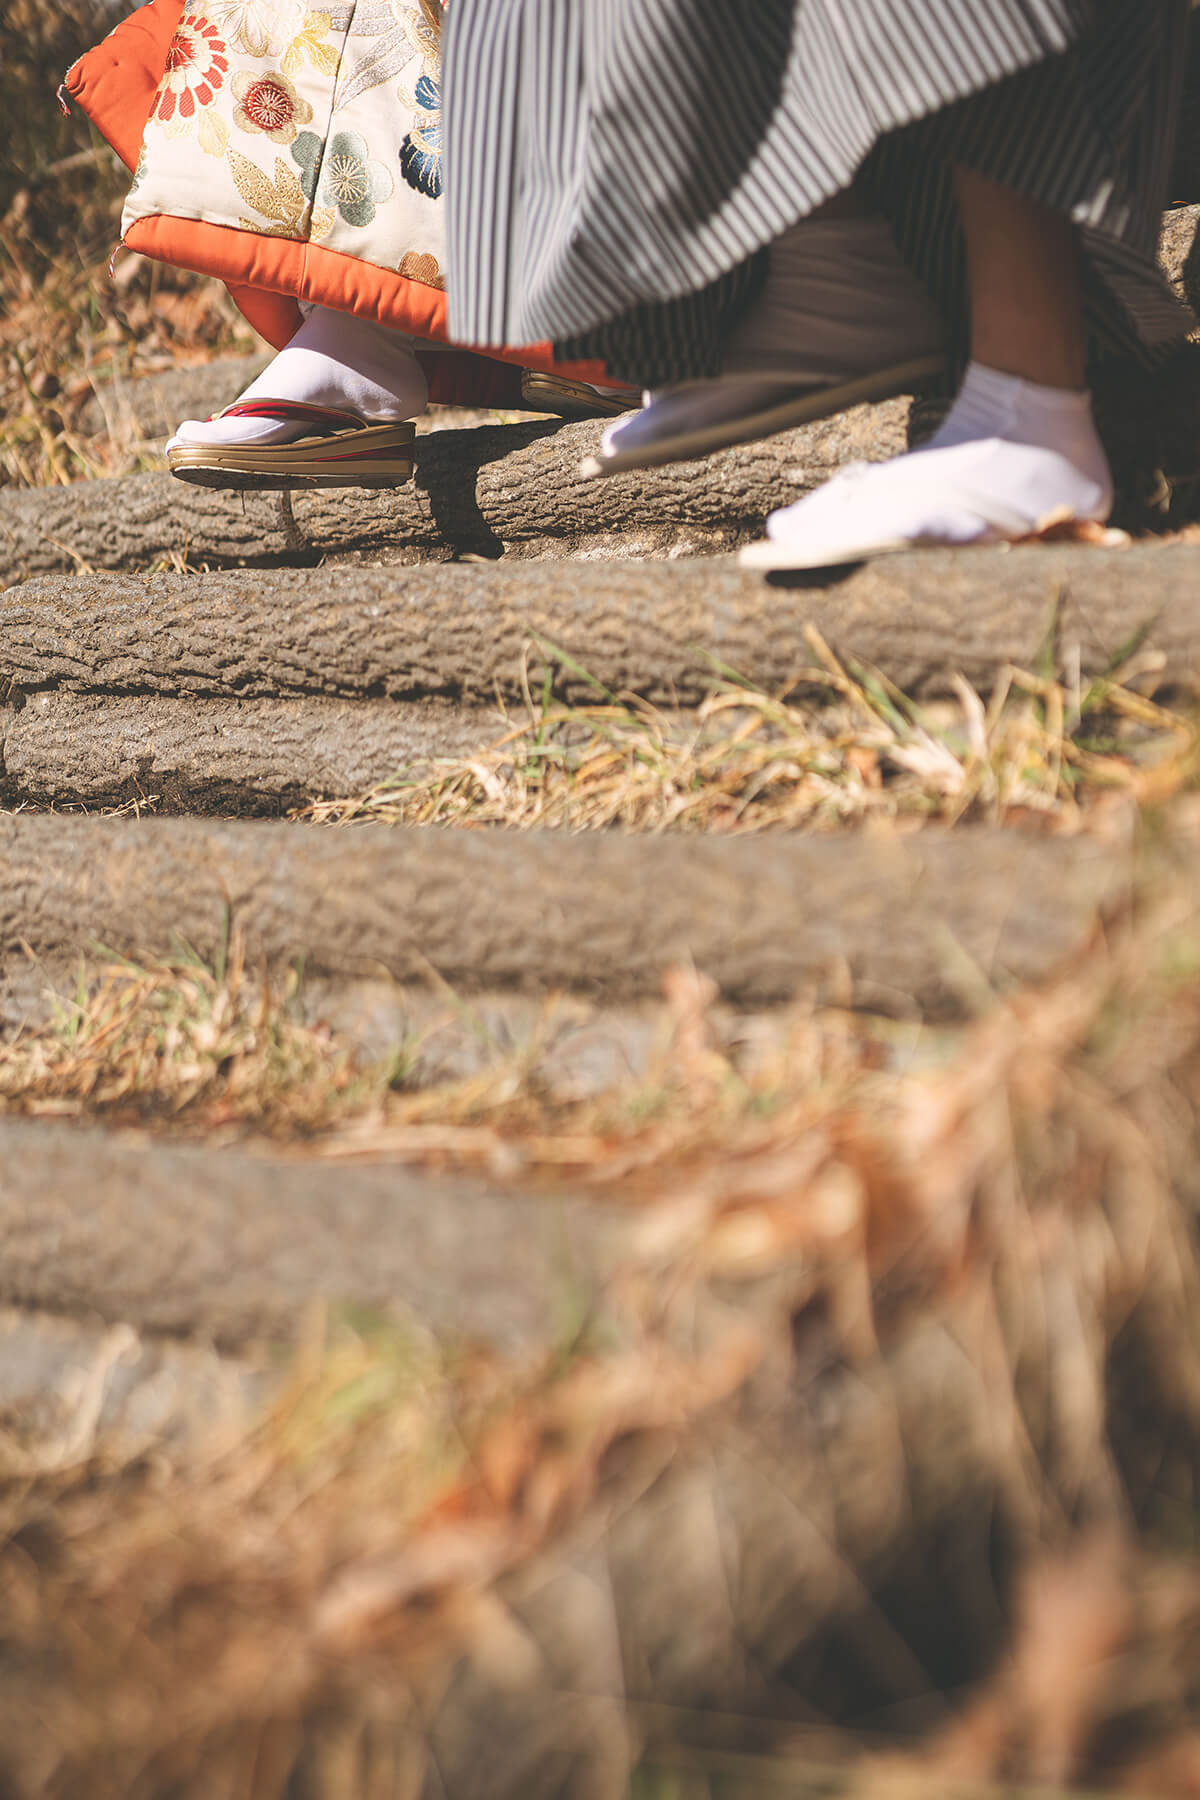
[[898, 922]]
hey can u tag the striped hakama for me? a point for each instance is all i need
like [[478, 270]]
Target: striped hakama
[[615, 167]]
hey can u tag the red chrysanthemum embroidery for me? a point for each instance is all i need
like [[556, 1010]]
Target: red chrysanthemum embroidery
[[267, 102], [268, 105], [197, 64]]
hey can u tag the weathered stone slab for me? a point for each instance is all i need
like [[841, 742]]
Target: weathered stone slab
[[235, 1246], [73, 1390], [152, 406], [901, 923], [664, 631], [511, 490], [244, 756]]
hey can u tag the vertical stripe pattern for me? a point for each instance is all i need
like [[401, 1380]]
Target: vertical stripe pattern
[[614, 168]]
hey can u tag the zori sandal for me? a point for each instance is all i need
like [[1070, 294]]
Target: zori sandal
[[315, 447], [543, 392], [696, 418], [841, 321]]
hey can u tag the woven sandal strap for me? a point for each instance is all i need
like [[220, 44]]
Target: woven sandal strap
[[329, 417]]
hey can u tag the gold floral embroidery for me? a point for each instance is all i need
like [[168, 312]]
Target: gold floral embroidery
[[424, 29], [307, 46], [282, 199], [378, 48], [256, 114], [256, 26], [421, 149], [212, 134], [420, 266]]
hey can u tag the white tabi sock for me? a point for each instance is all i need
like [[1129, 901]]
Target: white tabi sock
[[1010, 457], [335, 360]]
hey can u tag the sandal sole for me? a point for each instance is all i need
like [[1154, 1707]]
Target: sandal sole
[[814, 404], [378, 456], [771, 558], [570, 399]]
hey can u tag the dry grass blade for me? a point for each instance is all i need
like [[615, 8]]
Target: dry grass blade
[[65, 325], [937, 1262], [181, 1041], [840, 748]]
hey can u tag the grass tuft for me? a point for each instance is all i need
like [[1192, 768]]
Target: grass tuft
[[841, 746], [180, 1042], [66, 326], [927, 1285]]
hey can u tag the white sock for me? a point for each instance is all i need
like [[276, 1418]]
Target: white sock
[[335, 360], [991, 404], [1010, 456]]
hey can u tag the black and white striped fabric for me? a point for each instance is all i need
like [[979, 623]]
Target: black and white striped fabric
[[614, 167]]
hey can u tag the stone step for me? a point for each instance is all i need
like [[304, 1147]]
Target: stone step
[[507, 490], [663, 631], [922, 923], [151, 406], [247, 757], [771, 1462], [92, 1387], [232, 1246], [254, 692]]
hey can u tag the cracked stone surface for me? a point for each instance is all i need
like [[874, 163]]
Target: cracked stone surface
[[246, 756], [233, 1245], [74, 1389]]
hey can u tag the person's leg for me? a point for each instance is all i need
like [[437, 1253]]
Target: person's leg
[[1019, 447], [1026, 383], [1023, 269]]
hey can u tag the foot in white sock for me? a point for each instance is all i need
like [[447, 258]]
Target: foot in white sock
[[692, 406], [1011, 458], [841, 319], [335, 361]]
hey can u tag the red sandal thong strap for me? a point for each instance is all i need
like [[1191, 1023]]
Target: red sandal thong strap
[[322, 418]]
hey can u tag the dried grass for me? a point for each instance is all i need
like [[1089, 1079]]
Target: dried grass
[[915, 1357], [182, 1043], [66, 330], [895, 1445], [184, 1048], [65, 325], [840, 746]]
